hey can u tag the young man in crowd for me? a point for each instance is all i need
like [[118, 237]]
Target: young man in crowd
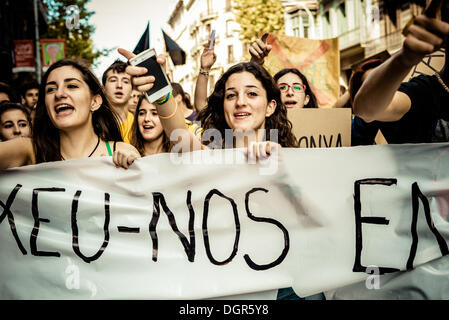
[[415, 111], [118, 87], [132, 103], [29, 95]]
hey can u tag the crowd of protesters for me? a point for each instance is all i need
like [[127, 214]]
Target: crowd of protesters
[[72, 115]]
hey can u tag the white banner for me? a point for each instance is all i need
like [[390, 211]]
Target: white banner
[[209, 225]]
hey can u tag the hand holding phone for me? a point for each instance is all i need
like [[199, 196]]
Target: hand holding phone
[[161, 85], [212, 40]]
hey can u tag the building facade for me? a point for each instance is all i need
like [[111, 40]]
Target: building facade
[[191, 23], [365, 28]]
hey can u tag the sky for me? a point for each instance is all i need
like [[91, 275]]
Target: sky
[[122, 23]]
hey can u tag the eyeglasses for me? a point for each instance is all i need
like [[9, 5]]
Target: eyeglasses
[[297, 87]]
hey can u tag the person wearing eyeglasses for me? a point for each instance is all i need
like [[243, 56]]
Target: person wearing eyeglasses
[[295, 89]]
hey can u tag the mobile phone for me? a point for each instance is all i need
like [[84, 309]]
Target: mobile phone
[[212, 39], [161, 86]]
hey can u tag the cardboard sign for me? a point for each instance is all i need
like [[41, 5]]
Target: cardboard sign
[[322, 127], [24, 55], [318, 60], [52, 50]]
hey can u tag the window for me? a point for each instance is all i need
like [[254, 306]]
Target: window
[[295, 26], [230, 53], [341, 18], [228, 5], [305, 24], [229, 28]]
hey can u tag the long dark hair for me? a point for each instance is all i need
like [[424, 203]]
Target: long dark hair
[[6, 106], [46, 135], [312, 99], [137, 139], [212, 117]]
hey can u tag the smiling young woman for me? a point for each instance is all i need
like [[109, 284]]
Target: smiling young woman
[[247, 98], [73, 120]]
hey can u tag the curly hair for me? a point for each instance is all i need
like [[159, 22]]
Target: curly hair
[[137, 139], [46, 136], [212, 116], [312, 99]]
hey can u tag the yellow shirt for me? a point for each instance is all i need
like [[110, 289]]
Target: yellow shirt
[[194, 128], [126, 128]]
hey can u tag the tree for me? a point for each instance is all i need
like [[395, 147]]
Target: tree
[[258, 16], [69, 20]]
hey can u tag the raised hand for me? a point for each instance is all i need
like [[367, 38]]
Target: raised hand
[[425, 35], [141, 83], [208, 57], [260, 49]]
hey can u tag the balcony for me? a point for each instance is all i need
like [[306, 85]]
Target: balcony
[[208, 15], [349, 39], [390, 42]]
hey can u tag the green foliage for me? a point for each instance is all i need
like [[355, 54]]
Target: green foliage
[[78, 38], [258, 16]]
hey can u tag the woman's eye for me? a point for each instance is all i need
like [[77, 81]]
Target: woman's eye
[[253, 94], [23, 125], [72, 86], [7, 126], [230, 95], [50, 89]]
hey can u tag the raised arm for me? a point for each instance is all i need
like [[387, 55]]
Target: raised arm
[[16, 153], [172, 117], [259, 50], [207, 60], [378, 98]]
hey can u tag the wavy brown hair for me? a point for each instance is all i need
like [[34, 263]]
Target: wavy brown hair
[[212, 117], [137, 139], [46, 135]]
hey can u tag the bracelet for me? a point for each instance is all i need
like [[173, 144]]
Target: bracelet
[[171, 115], [204, 72], [159, 102]]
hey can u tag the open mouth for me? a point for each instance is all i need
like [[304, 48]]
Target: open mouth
[[241, 115], [63, 109], [148, 127], [118, 94], [290, 104]]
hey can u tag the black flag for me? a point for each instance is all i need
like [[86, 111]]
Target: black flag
[[144, 42], [178, 56]]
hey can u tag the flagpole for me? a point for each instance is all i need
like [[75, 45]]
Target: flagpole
[[38, 53]]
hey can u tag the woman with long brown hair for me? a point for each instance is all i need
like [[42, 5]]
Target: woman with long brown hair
[[73, 120]]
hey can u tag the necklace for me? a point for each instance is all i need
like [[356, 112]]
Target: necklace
[[442, 82], [96, 147], [98, 143]]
